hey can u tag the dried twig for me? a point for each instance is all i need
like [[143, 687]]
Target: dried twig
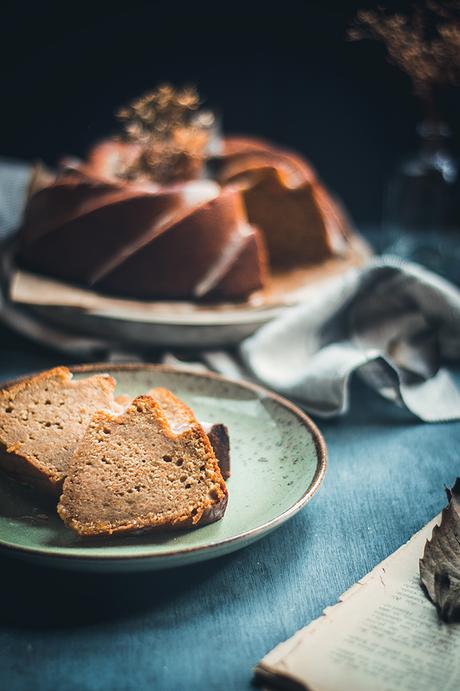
[[172, 132], [425, 43]]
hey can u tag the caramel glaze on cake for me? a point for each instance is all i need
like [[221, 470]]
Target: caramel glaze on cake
[[301, 222], [186, 241]]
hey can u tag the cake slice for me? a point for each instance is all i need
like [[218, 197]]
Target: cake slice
[[133, 472], [180, 416], [43, 418]]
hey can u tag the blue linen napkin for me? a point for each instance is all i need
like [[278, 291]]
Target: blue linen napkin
[[15, 178]]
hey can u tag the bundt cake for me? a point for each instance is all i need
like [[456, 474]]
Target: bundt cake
[[117, 224], [189, 240], [133, 472], [42, 419]]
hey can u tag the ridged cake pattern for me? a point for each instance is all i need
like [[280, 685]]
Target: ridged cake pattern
[[184, 241]]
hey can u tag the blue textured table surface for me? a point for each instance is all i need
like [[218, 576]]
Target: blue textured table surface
[[205, 626]]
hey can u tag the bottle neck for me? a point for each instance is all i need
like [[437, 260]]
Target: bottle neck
[[434, 136]]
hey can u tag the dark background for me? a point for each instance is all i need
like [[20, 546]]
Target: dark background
[[280, 70]]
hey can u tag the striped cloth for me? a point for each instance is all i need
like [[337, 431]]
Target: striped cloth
[[15, 178]]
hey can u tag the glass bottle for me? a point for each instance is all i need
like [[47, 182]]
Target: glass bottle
[[422, 209]]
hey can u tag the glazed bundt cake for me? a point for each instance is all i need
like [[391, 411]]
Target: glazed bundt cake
[[169, 211], [189, 240]]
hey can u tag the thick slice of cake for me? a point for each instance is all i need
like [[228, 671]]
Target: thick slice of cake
[[133, 472], [42, 419], [179, 416]]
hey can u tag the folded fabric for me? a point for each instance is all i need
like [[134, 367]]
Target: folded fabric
[[15, 178], [392, 322]]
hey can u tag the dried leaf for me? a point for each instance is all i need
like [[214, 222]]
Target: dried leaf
[[440, 565]]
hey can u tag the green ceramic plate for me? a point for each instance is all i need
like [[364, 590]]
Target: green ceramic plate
[[278, 462]]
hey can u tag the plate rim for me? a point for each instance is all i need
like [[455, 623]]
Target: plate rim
[[310, 491]]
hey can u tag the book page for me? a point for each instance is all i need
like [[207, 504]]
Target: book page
[[383, 635]]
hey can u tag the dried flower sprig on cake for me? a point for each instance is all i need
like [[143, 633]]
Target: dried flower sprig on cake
[[171, 132], [424, 43]]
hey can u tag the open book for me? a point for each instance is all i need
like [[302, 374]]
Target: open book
[[383, 635]]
